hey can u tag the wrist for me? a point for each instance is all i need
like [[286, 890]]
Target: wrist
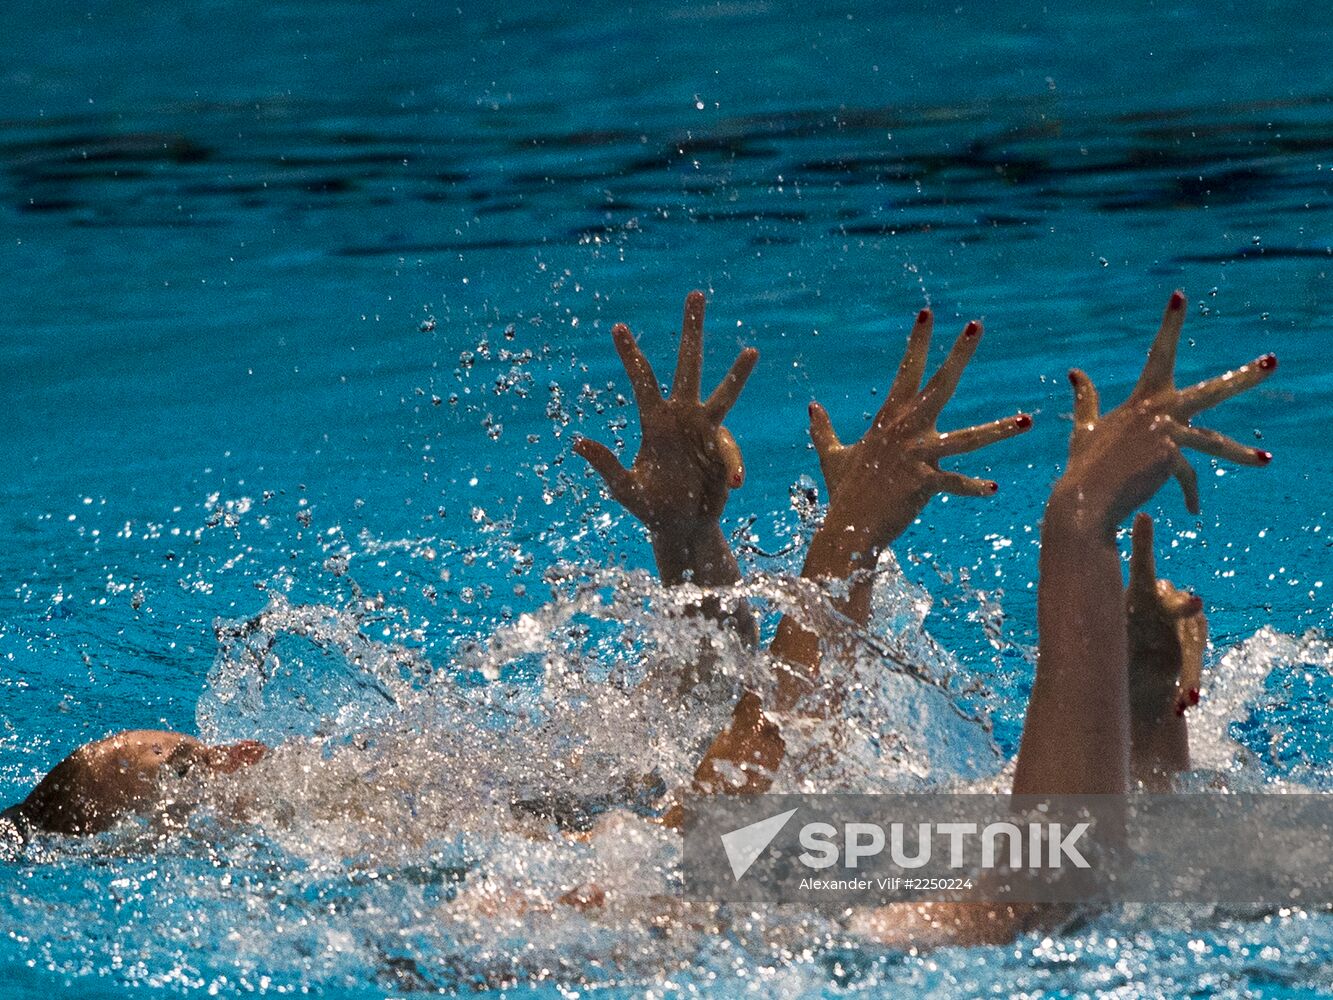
[[1075, 513], [840, 547], [697, 550]]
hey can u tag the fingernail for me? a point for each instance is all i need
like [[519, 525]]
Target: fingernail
[[1268, 362], [923, 315], [811, 409], [1022, 421], [972, 329], [1180, 708], [1073, 378], [1177, 300], [994, 488], [736, 479], [1194, 696], [1196, 604], [1263, 456]]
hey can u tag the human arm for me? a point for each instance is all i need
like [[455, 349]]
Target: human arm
[[1076, 736]]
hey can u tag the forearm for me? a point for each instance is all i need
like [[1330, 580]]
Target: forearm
[[1076, 734], [702, 556], [878, 486], [842, 549], [745, 755]]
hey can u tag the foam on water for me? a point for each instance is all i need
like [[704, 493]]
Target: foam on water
[[381, 845]]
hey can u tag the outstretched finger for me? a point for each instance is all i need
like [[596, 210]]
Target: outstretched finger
[[618, 479], [942, 384], [1159, 371], [1219, 445], [690, 360], [972, 438], [729, 389], [1087, 404], [963, 486], [640, 372], [1188, 480], [730, 453], [913, 365], [1142, 560], [822, 432], [1214, 390]]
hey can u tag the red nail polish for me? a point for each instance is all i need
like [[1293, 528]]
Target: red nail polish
[[1180, 708], [1023, 421], [1263, 456], [1268, 362], [1196, 604], [923, 315], [994, 488], [1177, 300], [736, 480], [1073, 378], [972, 329], [1194, 696]]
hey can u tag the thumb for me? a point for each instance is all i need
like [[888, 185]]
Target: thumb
[[730, 453]]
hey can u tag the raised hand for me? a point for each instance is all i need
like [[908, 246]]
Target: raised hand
[[878, 485], [1118, 461], [1166, 632], [687, 462]]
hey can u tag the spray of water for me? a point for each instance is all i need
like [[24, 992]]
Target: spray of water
[[487, 817]]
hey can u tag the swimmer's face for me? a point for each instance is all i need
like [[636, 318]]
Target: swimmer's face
[[231, 757], [227, 758]]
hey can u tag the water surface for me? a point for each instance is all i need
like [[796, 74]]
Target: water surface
[[305, 302]]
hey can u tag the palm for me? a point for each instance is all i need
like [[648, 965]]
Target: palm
[[687, 462]]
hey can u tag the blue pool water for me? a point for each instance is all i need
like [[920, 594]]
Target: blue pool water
[[304, 303]]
